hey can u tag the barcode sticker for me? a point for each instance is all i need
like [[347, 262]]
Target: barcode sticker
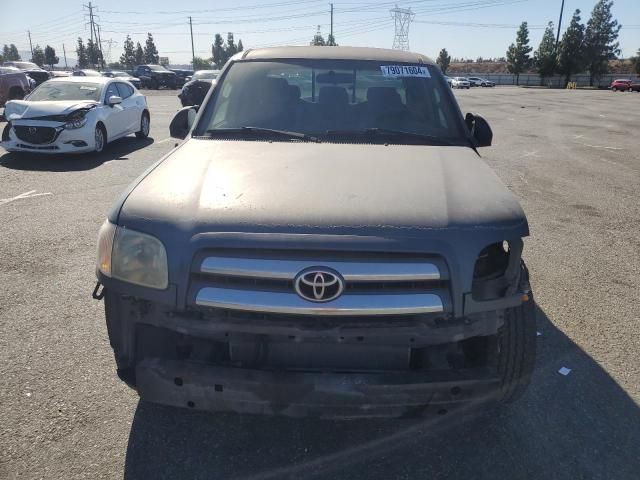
[[405, 71]]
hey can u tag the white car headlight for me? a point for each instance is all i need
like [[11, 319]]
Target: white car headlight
[[132, 257], [14, 110], [76, 120]]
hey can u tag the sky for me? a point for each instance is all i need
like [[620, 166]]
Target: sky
[[466, 28]]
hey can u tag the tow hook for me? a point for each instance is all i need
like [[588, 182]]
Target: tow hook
[[98, 295]]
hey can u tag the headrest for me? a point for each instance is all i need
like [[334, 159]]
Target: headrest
[[387, 96], [333, 95]]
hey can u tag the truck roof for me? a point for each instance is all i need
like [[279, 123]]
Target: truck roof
[[334, 53]]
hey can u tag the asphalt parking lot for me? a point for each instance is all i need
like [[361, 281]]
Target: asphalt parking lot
[[572, 158]]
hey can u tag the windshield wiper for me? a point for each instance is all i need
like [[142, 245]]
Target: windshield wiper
[[428, 139], [265, 131]]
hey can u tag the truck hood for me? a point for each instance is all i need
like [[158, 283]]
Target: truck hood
[[287, 187], [24, 109]]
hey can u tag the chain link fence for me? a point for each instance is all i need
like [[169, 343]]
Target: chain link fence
[[557, 81]]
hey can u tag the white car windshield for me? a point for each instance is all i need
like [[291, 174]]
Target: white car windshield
[[26, 65], [205, 74], [52, 91], [333, 98]]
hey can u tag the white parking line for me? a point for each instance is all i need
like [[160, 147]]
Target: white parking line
[[29, 194], [602, 146], [164, 140]]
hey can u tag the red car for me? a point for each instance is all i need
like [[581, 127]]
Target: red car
[[624, 84]]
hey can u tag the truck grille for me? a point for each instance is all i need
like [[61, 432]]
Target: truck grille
[[320, 283], [35, 135]]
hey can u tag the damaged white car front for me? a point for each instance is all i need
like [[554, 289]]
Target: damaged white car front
[[74, 115]]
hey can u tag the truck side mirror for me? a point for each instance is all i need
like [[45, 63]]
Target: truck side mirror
[[182, 122], [480, 129]]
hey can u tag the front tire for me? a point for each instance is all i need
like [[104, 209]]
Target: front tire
[[5, 132], [517, 349], [145, 125], [100, 138]]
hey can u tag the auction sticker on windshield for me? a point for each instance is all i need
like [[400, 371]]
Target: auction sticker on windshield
[[404, 71]]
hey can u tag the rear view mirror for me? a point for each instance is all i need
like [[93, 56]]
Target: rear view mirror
[[480, 129], [182, 122], [114, 100]]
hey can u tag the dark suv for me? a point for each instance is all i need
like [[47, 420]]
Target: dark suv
[[155, 76], [325, 241], [31, 69]]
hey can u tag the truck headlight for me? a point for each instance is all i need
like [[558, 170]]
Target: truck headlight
[[132, 257]]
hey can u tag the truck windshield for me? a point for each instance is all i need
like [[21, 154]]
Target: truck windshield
[[341, 99], [52, 91]]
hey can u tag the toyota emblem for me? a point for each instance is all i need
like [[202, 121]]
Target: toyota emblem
[[319, 284]]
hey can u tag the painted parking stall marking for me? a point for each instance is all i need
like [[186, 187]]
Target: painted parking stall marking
[[29, 194]]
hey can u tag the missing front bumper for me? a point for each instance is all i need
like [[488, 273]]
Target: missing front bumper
[[325, 395]]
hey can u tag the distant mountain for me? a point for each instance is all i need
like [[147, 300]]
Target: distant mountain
[[71, 61]]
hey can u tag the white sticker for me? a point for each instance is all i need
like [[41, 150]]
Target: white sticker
[[83, 87], [405, 71]]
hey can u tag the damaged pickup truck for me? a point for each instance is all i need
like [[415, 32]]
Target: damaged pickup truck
[[326, 241]]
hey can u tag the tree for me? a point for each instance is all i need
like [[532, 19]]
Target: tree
[[50, 56], [217, 51], [636, 62], [571, 48], [545, 58], [150, 51], [81, 53], [600, 37], [139, 54], [518, 54], [318, 39], [38, 55], [231, 49], [10, 53], [221, 52], [201, 64], [331, 41], [94, 55], [444, 60], [128, 57]]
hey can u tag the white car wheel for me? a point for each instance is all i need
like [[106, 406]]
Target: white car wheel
[[145, 126], [100, 139]]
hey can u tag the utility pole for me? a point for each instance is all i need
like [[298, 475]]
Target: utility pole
[[559, 25], [332, 39], [30, 44], [100, 47], [65, 56], [193, 51]]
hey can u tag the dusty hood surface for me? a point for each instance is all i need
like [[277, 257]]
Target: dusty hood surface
[[244, 186], [24, 109]]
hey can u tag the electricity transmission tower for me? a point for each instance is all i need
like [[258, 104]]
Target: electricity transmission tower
[[403, 18], [110, 43]]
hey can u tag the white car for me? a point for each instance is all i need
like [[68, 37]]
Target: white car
[[75, 115], [481, 82], [460, 82]]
